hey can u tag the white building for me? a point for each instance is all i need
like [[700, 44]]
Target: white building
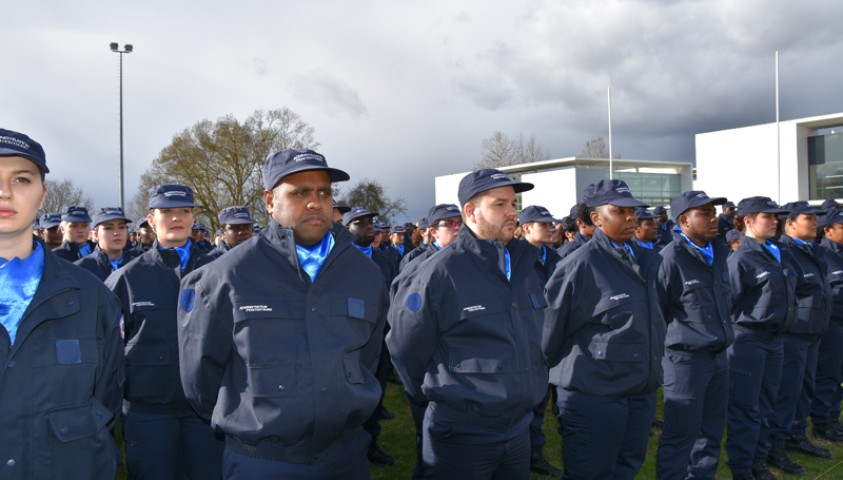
[[805, 163], [559, 183]]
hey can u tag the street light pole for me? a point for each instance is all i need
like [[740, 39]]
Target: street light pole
[[127, 48]]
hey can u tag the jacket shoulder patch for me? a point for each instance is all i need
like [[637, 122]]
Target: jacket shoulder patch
[[414, 302], [187, 298]]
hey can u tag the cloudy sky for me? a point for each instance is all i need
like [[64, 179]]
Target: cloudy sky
[[402, 91]]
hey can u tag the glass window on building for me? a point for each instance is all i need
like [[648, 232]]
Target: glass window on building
[[652, 188], [825, 166]]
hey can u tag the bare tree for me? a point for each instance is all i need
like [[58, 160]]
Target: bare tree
[[64, 193], [370, 195], [500, 151], [595, 147], [221, 161]]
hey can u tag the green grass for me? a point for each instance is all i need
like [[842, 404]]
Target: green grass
[[397, 439]]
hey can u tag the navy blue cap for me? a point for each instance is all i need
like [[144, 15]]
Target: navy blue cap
[[199, 226], [830, 203], [235, 216], [535, 213], [76, 214], [692, 199], [610, 192], [341, 208], [396, 229], [423, 223], [286, 162], [108, 214], [170, 196], [355, 213], [379, 227], [142, 223], [441, 212], [641, 213], [487, 179], [729, 204], [15, 144], [831, 217], [49, 220], [733, 235], [751, 205], [575, 210], [256, 228], [802, 207], [659, 210]]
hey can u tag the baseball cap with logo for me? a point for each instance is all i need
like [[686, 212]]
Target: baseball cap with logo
[[610, 192], [693, 199], [50, 220], [76, 214], [355, 213], [535, 213], [15, 144], [441, 212], [235, 216], [108, 214], [751, 205], [286, 162], [170, 196], [487, 179]]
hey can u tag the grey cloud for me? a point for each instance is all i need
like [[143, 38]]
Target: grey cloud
[[328, 92]]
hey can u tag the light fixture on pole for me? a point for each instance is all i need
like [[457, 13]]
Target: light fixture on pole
[[127, 48]]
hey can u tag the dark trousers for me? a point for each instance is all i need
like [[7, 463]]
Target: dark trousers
[[797, 387], [825, 407], [604, 437], [696, 391], [171, 446], [461, 451], [537, 438], [348, 463], [417, 410], [755, 370]]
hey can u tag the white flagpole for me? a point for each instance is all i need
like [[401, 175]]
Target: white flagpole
[[611, 170], [778, 135]]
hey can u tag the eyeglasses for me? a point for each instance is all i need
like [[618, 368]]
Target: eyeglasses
[[449, 224]]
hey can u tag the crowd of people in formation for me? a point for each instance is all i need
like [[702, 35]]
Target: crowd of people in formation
[[263, 353]]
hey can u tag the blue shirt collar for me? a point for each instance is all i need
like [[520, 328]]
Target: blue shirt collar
[[312, 258]]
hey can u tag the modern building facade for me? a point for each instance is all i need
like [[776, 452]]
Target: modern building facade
[[798, 159], [559, 183]]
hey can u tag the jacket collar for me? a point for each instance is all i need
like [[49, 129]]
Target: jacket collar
[[490, 252], [281, 240]]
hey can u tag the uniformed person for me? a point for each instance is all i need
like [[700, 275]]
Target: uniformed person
[[165, 438], [693, 286], [236, 227], [825, 408], [763, 295], [50, 233], [111, 229], [585, 229], [199, 234], [465, 336], [280, 337], [62, 374], [725, 221], [647, 232], [536, 224], [788, 423], [339, 211], [604, 339], [361, 224], [75, 228], [146, 237], [734, 239], [664, 226]]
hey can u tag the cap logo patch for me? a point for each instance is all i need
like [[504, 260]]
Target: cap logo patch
[[498, 176], [15, 141], [307, 156], [619, 296], [622, 190], [175, 193], [700, 195]]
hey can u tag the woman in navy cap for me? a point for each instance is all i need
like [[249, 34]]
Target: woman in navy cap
[[763, 308], [60, 350], [165, 438], [111, 232], [604, 337]]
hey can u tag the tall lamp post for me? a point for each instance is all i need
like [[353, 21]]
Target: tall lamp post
[[127, 48]]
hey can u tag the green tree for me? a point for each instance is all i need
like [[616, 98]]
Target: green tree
[[221, 161], [370, 195]]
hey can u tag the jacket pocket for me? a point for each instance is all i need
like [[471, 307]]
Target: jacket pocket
[[81, 445], [151, 376], [613, 310], [464, 360], [618, 352], [272, 380]]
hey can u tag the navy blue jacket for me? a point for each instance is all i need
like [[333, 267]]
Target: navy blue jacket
[[695, 298], [148, 289], [546, 263], [813, 294], [665, 234], [282, 365], [763, 290], [413, 254], [217, 252], [833, 253], [569, 248], [603, 330], [99, 264], [61, 383], [724, 224], [468, 340], [70, 251]]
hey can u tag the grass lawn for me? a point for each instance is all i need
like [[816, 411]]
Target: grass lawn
[[397, 439]]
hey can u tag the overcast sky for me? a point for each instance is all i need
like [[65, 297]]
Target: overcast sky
[[402, 91]]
